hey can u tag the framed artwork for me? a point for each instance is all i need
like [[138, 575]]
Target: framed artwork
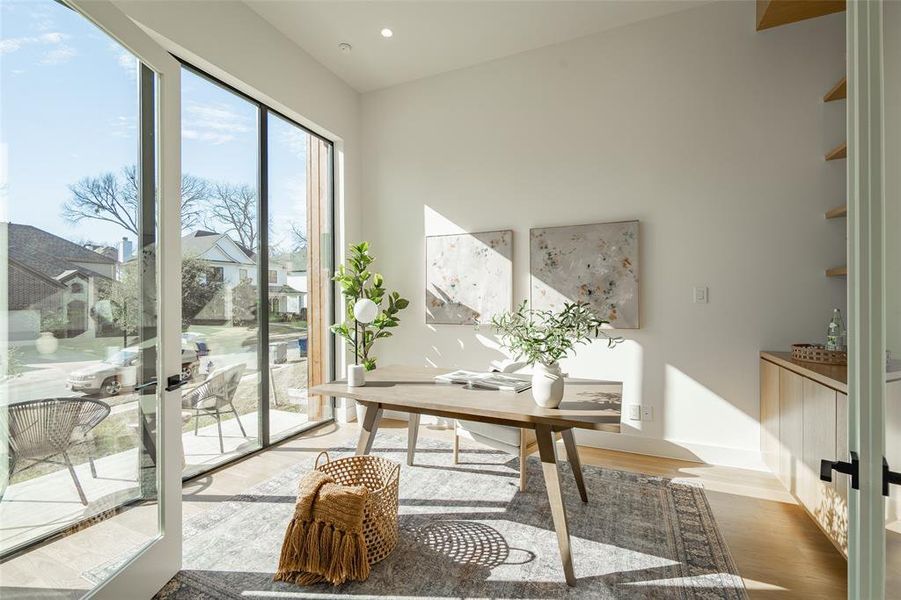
[[595, 264], [468, 277]]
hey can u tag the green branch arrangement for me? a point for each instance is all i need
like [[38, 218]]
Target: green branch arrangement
[[358, 281], [544, 336]]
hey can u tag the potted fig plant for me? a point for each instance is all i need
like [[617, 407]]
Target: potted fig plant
[[543, 337], [358, 282]]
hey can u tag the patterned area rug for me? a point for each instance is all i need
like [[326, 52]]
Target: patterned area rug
[[468, 532]]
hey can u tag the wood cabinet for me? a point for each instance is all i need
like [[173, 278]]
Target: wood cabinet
[[769, 414], [791, 429], [804, 420]]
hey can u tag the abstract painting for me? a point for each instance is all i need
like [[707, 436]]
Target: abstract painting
[[469, 277], [595, 264]]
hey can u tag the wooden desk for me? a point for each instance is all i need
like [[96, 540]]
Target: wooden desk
[[587, 404]]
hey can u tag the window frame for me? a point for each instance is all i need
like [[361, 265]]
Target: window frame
[[262, 267]]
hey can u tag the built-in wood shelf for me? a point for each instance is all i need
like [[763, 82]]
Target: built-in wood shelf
[[772, 13], [838, 212], [838, 91], [838, 152], [837, 271]]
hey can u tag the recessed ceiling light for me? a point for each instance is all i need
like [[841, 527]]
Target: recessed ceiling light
[[386, 33]]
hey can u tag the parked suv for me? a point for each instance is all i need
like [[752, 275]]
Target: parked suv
[[107, 378]]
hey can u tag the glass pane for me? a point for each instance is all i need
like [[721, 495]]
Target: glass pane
[[77, 319], [290, 201], [220, 244]]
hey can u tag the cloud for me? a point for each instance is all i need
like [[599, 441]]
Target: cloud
[[216, 123], [295, 139], [127, 60], [58, 56], [60, 53], [123, 127], [17, 43]]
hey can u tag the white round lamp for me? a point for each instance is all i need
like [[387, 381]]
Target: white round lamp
[[365, 311]]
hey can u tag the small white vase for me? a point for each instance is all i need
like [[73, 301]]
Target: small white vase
[[547, 385], [356, 375]]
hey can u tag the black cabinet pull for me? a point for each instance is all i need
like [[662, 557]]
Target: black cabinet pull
[[848, 468], [888, 477]]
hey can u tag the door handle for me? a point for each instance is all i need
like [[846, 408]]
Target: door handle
[[888, 477], [174, 382], [848, 468], [145, 385]]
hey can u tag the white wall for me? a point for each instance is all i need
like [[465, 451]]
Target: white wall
[[710, 133]]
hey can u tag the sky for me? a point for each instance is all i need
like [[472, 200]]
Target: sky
[[69, 111]]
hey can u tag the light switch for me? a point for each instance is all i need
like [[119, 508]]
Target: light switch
[[699, 294], [647, 413]]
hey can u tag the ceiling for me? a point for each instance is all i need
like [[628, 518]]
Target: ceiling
[[433, 36]]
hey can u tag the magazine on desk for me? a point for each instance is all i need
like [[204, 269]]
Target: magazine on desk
[[490, 381]]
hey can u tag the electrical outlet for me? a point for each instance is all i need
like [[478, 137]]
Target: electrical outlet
[[699, 295], [633, 411], [647, 413]]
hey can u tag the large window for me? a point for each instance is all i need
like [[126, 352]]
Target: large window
[[246, 285], [297, 185]]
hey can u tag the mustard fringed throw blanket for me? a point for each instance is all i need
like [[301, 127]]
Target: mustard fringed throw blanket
[[324, 540]]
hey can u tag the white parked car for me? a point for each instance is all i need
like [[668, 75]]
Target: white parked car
[[107, 378]]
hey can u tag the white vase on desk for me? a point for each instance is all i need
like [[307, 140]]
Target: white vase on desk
[[547, 385]]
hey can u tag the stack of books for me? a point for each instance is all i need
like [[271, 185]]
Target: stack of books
[[490, 381]]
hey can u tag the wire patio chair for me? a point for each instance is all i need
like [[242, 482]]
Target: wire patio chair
[[42, 430], [214, 397]]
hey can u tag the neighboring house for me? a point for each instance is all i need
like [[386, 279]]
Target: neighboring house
[[49, 277], [294, 266], [234, 264], [231, 265]]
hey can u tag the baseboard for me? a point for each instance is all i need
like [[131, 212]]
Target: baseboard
[[740, 458]]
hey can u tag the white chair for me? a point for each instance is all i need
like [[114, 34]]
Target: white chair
[[512, 440]]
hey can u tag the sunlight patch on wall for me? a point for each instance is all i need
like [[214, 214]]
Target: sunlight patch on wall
[[707, 410]]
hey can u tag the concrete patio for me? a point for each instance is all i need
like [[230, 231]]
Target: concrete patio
[[36, 507]]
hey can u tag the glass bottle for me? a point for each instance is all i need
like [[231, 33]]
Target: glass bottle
[[835, 332]]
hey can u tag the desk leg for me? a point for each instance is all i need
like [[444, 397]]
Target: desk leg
[[572, 454], [548, 453], [412, 436], [370, 426]]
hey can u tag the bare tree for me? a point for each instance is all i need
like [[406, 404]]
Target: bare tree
[[234, 207], [114, 199], [299, 236]]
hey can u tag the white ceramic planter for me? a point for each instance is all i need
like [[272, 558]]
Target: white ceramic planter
[[46, 343], [547, 385], [356, 375]]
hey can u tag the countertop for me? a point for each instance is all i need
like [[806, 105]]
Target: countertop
[[833, 376]]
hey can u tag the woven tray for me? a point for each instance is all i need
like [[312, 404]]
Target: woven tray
[[816, 353], [381, 477]]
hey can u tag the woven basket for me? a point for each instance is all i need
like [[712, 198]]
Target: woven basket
[[816, 353], [382, 478]]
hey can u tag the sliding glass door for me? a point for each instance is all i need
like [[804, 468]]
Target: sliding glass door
[[257, 190], [220, 245], [90, 133]]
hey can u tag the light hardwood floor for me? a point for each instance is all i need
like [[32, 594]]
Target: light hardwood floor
[[778, 549]]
